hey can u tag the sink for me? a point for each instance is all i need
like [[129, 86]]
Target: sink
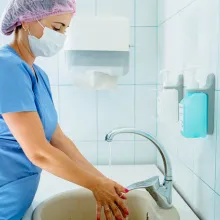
[[80, 205]]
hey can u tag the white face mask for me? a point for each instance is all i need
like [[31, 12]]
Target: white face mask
[[48, 45]]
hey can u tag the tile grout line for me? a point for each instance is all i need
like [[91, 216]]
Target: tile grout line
[[176, 13], [180, 161], [158, 50], [216, 148], [134, 69], [97, 127], [144, 26], [97, 111], [217, 117], [96, 7]]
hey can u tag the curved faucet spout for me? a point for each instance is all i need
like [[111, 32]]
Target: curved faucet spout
[[165, 190], [166, 160]]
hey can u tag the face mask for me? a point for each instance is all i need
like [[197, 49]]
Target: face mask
[[48, 45]]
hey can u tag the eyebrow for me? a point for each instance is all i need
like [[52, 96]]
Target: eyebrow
[[61, 23]]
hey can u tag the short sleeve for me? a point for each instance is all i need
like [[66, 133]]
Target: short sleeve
[[16, 94]]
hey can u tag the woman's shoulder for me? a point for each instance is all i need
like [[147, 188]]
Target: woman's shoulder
[[11, 64], [8, 56]]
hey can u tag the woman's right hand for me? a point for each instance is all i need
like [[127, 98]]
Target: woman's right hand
[[109, 194]]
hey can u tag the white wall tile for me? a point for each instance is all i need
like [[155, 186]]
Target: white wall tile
[[116, 109], [185, 151], [217, 185], [208, 36], [103, 153], [50, 66], [78, 113], [146, 12], [119, 8], [145, 109], [146, 55], [145, 152], [190, 37], [3, 5], [89, 150], [65, 76], [122, 152], [171, 47], [168, 8], [182, 178], [203, 199], [217, 205], [204, 160], [85, 7], [7, 39]]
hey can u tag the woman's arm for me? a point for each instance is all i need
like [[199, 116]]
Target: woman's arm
[[28, 131], [63, 143]]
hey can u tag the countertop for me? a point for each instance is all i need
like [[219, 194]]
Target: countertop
[[123, 174]]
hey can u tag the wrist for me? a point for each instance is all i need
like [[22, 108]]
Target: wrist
[[94, 182]]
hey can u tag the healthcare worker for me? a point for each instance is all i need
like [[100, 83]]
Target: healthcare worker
[[30, 136]]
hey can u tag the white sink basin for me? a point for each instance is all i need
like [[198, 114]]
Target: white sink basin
[[80, 205]]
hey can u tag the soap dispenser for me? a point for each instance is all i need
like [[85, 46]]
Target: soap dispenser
[[193, 110], [167, 100]]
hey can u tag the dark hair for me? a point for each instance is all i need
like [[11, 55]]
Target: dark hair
[[18, 28]]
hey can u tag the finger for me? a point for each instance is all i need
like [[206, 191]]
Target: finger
[[122, 212], [108, 212], [121, 188], [120, 194], [98, 211], [116, 212], [122, 206]]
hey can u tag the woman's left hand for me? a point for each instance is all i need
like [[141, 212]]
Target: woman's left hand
[[110, 195]]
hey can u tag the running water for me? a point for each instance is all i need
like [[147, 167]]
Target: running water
[[110, 160], [110, 155]]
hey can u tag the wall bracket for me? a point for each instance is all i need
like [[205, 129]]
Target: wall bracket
[[179, 87]]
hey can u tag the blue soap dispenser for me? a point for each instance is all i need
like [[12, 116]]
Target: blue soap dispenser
[[193, 110]]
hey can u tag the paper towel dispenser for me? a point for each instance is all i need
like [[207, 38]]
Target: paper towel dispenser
[[97, 33], [100, 44]]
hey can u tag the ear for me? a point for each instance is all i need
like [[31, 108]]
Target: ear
[[25, 26]]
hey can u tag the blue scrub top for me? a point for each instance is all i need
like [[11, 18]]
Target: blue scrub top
[[20, 92]]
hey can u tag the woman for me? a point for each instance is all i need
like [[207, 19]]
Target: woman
[[30, 137]]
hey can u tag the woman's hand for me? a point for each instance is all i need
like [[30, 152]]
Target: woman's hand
[[109, 195]]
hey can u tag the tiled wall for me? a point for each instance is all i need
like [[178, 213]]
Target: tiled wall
[[86, 116], [189, 35]]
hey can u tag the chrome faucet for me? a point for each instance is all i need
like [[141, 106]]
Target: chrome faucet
[[161, 193]]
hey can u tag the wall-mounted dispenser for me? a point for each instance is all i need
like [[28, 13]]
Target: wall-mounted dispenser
[[196, 110], [169, 98], [97, 51]]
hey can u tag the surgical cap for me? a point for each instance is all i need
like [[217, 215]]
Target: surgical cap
[[19, 11]]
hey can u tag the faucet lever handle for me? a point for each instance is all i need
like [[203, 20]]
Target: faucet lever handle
[[154, 181]]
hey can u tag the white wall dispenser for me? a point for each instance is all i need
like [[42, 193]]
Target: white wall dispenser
[[97, 51], [169, 98]]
